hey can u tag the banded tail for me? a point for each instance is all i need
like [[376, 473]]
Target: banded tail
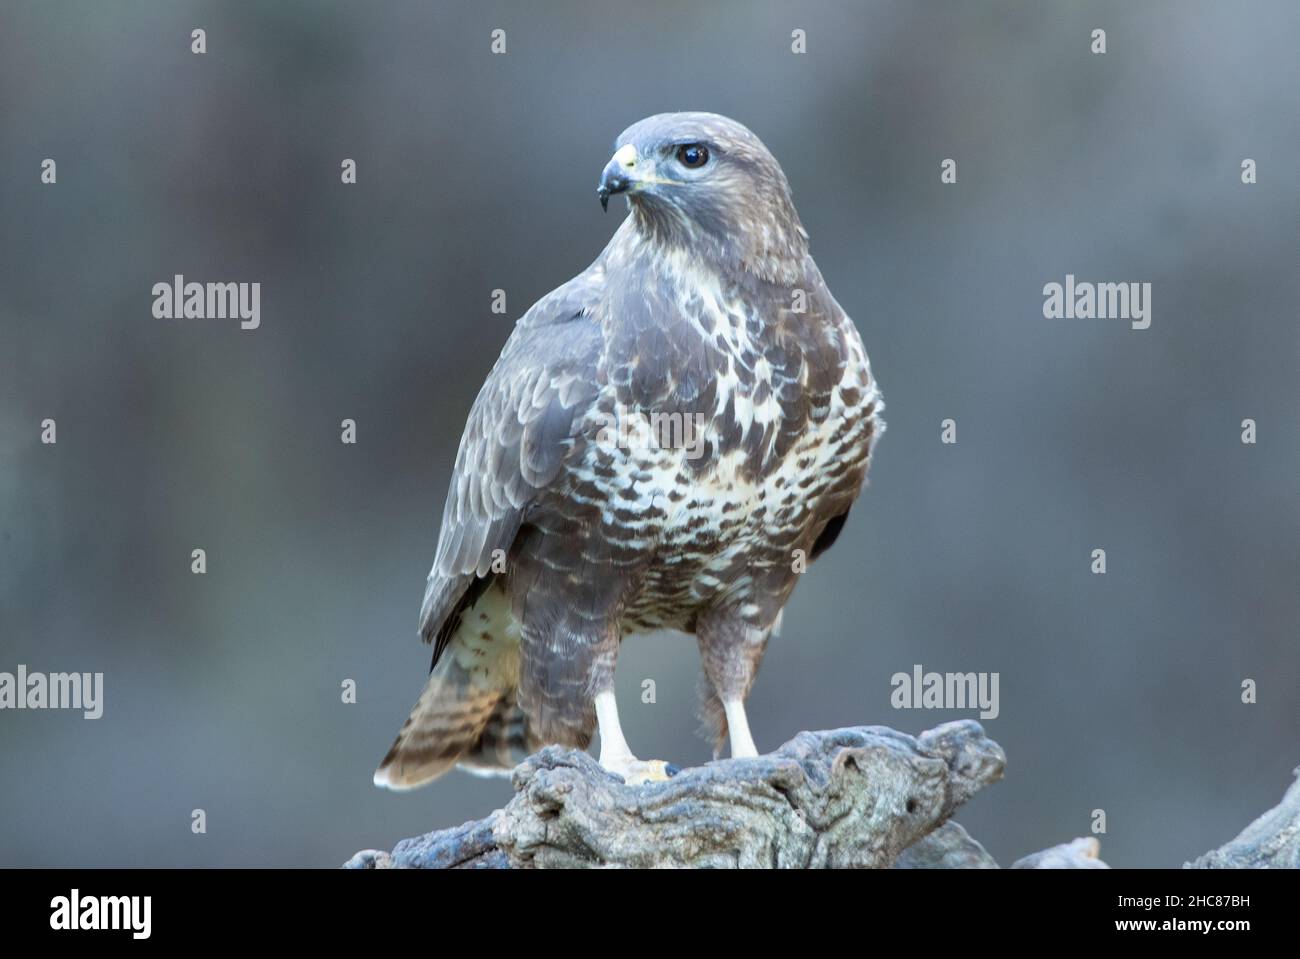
[[466, 714]]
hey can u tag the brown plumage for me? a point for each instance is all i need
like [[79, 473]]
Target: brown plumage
[[665, 442]]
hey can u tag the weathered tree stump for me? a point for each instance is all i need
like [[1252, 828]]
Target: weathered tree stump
[[860, 797], [1271, 842]]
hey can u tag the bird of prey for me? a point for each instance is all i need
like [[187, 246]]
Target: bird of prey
[[664, 443]]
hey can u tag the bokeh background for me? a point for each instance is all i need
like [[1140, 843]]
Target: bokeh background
[[1118, 692]]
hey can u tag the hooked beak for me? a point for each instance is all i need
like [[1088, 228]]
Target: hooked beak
[[617, 175]]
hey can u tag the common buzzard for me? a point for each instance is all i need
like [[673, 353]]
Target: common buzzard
[[665, 442]]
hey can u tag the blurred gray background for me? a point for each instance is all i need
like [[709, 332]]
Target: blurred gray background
[[1118, 692]]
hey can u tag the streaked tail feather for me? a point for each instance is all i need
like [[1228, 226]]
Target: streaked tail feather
[[504, 743], [447, 722], [466, 712]]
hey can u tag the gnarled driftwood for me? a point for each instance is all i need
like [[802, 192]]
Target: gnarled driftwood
[[861, 797]]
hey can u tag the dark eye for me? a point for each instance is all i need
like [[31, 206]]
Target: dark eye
[[692, 155]]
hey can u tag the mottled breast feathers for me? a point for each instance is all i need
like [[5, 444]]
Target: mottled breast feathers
[[760, 367]]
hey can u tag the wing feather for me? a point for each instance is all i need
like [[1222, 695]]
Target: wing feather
[[515, 441]]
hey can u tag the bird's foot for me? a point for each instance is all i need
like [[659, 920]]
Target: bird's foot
[[616, 757], [636, 771]]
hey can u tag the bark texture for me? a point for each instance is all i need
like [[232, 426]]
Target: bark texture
[[864, 797]]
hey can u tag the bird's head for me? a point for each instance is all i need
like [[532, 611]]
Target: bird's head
[[706, 182]]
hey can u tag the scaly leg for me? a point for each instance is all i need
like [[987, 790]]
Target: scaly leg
[[731, 648], [742, 743], [614, 752]]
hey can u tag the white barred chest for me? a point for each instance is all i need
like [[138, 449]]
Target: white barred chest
[[705, 528]]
